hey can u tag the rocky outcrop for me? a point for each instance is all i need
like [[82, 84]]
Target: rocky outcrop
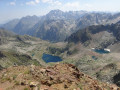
[[59, 76], [1, 55], [110, 73]]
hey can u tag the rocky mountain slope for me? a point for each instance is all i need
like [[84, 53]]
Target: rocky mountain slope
[[110, 73], [11, 58], [10, 25], [78, 51], [59, 24], [4, 35], [17, 50], [60, 77], [25, 24], [101, 36], [54, 30]]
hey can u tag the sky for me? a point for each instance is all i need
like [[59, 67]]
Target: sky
[[11, 9]]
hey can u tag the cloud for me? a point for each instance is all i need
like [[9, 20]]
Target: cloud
[[74, 4], [71, 6], [57, 3], [88, 5], [52, 2], [46, 1], [12, 3], [37, 1], [30, 3], [33, 2]]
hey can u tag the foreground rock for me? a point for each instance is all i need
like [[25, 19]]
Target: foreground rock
[[58, 77]]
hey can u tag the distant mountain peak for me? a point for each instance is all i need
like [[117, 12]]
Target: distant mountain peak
[[56, 11], [118, 22], [57, 24]]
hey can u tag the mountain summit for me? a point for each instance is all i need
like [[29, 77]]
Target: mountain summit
[[60, 77]]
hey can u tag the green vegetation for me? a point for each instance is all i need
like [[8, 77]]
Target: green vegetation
[[14, 77], [26, 88], [71, 52], [57, 51], [27, 72], [17, 82], [12, 58], [80, 86]]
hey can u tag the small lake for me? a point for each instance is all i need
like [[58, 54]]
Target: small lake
[[50, 58], [94, 57], [101, 51]]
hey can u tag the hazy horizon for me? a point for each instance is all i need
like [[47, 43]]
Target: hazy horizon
[[11, 9]]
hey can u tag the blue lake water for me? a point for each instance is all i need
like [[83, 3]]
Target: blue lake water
[[50, 58], [101, 51], [94, 57]]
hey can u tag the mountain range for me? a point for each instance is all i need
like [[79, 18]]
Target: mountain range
[[58, 25], [81, 31], [98, 36]]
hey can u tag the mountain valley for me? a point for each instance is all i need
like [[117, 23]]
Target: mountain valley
[[73, 36]]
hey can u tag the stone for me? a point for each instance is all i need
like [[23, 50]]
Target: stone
[[36, 88], [32, 67], [33, 84], [23, 82], [42, 70]]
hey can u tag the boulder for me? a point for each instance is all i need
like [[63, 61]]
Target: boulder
[[33, 84]]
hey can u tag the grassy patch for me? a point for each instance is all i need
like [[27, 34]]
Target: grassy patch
[[80, 86], [26, 88]]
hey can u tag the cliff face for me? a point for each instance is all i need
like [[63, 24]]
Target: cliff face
[[60, 77]]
